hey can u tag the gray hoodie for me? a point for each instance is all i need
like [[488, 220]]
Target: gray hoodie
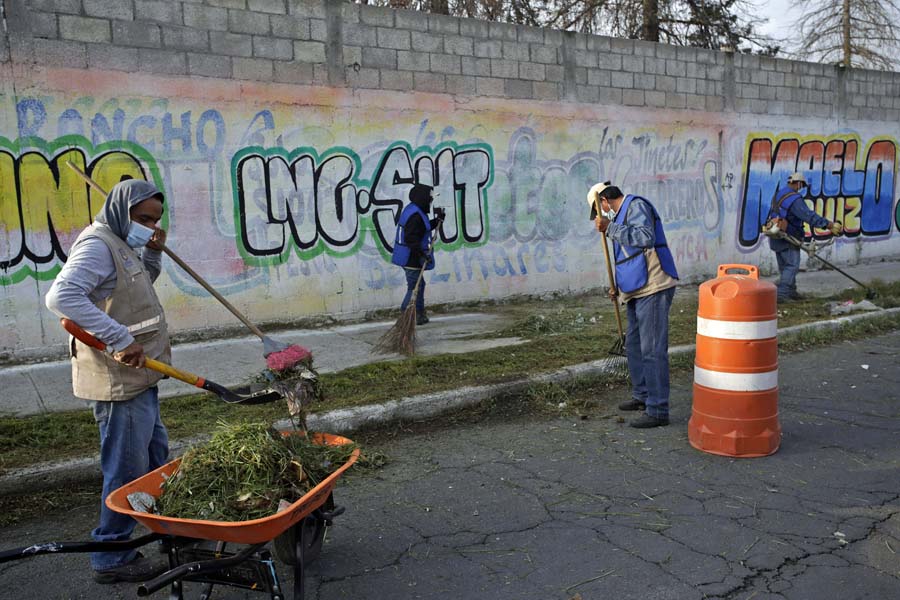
[[89, 274]]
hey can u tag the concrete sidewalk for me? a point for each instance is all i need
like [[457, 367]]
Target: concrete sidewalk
[[46, 387]]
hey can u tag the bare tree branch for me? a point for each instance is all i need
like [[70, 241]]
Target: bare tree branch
[[872, 39]]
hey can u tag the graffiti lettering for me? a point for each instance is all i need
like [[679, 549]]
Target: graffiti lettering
[[840, 188], [44, 205], [173, 133], [654, 158], [316, 203], [536, 199]]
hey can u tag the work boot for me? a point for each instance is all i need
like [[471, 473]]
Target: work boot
[[645, 421], [139, 569], [422, 319], [632, 405]]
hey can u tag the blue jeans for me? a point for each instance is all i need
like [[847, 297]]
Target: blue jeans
[[647, 347], [133, 442], [412, 276], [788, 265]]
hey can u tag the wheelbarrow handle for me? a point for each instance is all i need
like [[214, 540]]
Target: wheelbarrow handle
[[77, 547]]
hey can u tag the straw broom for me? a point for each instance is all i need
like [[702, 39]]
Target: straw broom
[[401, 338]]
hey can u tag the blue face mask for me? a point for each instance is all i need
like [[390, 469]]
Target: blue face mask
[[138, 235]]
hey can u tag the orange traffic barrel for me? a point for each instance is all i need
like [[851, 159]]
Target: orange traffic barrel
[[735, 407]]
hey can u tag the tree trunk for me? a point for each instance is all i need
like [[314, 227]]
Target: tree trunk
[[845, 33], [441, 7], [650, 27]]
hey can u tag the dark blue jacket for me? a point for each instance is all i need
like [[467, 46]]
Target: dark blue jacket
[[411, 242], [632, 234], [789, 205]]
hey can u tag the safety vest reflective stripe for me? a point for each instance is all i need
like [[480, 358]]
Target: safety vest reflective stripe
[[736, 382], [737, 330], [143, 324]]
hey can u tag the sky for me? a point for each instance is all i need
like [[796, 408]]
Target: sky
[[779, 16]]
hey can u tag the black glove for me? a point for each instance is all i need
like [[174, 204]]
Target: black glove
[[440, 214]]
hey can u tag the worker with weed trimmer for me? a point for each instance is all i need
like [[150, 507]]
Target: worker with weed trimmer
[[413, 246], [645, 283], [787, 215], [106, 287]]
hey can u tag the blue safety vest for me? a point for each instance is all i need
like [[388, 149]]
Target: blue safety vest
[[781, 208], [402, 252], [631, 264]]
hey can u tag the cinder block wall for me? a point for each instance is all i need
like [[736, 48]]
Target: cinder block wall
[[360, 46], [286, 134]]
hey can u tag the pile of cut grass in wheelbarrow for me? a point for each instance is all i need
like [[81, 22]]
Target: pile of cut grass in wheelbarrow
[[245, 471]]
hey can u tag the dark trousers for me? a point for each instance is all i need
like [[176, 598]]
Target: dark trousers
[[647, 348], [412, 276], [788, 265], [133, 442]]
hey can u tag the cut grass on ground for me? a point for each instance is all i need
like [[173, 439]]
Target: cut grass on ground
[[557, 333]]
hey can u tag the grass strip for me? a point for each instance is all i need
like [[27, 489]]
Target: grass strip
[[557, 333]]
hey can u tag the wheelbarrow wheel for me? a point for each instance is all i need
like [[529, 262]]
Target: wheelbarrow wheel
[[312, 528]]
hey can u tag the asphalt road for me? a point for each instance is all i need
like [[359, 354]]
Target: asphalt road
[[538, 508]]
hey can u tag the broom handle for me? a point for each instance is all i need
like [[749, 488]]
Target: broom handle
[[612, 282], [253, 328]]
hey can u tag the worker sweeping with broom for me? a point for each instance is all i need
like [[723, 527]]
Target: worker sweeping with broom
[[645, 284], [414, 251]]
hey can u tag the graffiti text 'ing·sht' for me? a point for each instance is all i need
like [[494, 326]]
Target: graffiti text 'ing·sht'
[[320, 203]]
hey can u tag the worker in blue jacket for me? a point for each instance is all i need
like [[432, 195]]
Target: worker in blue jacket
[[412, 244], [787, 215], [646, 278]]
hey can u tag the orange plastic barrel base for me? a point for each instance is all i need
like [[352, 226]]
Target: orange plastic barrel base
[[704, 439], [738, 424]]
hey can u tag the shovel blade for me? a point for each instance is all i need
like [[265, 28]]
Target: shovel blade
[[265, 397], [242, 394]]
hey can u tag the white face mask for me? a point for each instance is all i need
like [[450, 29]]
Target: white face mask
[[138, 235], [611, 214]]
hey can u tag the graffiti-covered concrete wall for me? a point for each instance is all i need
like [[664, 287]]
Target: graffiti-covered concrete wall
[[286, 136]]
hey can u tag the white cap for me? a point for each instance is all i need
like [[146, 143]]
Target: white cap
[[593, 194], [796, 178]]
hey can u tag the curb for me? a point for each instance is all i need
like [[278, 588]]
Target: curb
[[74, 471]]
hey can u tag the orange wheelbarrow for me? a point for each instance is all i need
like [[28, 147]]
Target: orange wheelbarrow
[[296, 534]]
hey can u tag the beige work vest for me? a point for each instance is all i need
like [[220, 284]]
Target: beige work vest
[[133, 303]]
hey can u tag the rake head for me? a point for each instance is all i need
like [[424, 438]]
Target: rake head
[[616, 362], [618, 348]]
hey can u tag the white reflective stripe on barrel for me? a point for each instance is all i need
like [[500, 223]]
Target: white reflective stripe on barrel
[[737, 330], [736, 382]]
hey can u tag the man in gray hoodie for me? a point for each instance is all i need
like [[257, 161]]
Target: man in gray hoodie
[[106, 287]]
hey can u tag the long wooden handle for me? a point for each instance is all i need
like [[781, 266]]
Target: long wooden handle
[[253, 328], [165, 369], [160, 367], [612, 282]]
